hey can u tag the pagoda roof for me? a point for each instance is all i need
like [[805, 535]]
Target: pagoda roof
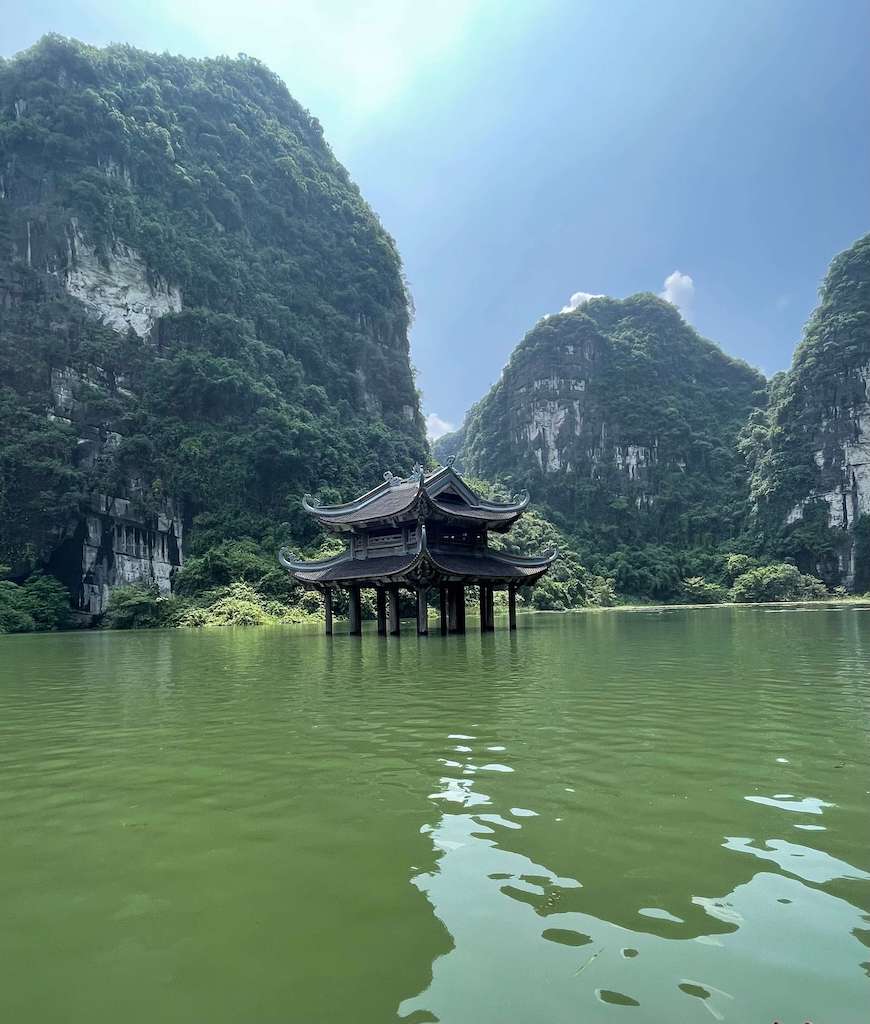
[[442, 492], [423, 565]]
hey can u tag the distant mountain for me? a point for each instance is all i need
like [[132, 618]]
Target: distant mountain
[[623, 423], [200, 317], [810, 451]]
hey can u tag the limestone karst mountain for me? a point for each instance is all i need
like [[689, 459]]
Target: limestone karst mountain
[[200, 317], [623, 422]]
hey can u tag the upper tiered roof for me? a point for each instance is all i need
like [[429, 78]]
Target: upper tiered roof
[[439, 494]]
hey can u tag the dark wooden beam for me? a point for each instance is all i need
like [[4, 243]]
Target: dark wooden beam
[[442, 600], [484, 606], [327, 611], [512, 607], [490, 608]]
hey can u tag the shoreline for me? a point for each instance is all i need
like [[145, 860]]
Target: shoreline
[[633, 609]]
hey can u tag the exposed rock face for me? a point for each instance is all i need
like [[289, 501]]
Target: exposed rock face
[[811, 452], [118, 291], [618, 415], [113, 545], [843, 458], [114, 540], [120, 547]]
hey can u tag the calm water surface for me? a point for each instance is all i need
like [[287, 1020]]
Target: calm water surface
[[641, 817]]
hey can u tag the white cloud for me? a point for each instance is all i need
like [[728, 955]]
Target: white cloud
[[679, 290], [436, 427], [579, 299]]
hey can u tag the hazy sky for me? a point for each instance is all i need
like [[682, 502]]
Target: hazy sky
[[522, 152]]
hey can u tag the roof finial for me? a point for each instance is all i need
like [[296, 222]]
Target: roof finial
[[388, 476], [417, 471], [450, 460]]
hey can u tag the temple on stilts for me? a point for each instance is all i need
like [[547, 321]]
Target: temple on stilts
[[425, 532]]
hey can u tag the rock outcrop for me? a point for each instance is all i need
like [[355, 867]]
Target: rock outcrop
[[118, 290], [112, 544], [108, 541]]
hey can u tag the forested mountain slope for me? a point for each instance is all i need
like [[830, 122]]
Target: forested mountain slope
[[810, 451], [622, 421], [200, 317]]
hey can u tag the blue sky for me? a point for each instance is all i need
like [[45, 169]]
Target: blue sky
[[522, 152]]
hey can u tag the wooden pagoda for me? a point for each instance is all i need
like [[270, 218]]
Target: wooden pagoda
[[422, 532]]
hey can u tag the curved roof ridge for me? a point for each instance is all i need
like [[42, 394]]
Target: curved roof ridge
[[301, 565], [309, 503], [530, 561], [518, 502]]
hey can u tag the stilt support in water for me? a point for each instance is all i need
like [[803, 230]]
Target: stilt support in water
[[381, 601], [355, 624], [393, 594], [487, 614], [422, 611], [456, 607]]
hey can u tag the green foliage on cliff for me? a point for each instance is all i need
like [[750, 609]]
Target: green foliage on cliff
[[622, 422], [568, 584], [287, 367], [39, 604], [777, 582], [799, 447]]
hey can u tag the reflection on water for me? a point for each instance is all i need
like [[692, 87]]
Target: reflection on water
[[658, 816], [494, 902], [786, 802]]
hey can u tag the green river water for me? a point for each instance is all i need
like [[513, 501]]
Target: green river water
[[657, 816]]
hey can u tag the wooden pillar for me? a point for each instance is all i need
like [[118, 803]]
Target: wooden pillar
[[393, 593], [422, 611], [490, 608], [327, 610], [381, 600], [512, 606], [442, 599], [456, 608], [484, 607], [355, 612]]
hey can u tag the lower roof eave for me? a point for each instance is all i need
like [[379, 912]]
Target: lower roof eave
[[414, 582]]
